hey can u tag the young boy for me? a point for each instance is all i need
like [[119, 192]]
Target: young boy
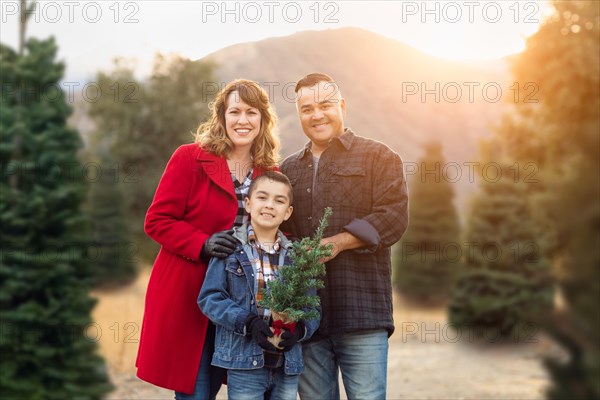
[[231, 291]]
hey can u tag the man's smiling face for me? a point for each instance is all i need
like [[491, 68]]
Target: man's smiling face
[[321, 109]]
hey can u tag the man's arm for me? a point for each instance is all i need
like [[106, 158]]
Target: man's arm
[[388, 219], [342, 241]]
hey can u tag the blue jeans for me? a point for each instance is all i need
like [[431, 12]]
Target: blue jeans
[[362, 358], [209, 378], [263, 383]]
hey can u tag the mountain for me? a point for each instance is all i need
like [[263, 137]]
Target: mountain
[[383, 81]]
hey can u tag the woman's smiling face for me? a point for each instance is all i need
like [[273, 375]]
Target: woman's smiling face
[[242, 121]]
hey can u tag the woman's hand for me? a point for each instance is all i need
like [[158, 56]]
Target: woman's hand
[[220, 245]]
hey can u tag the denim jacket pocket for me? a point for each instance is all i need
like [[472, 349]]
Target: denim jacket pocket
[[237, 283], [294, 363]]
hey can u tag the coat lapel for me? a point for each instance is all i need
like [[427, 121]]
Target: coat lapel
[[217, 171]]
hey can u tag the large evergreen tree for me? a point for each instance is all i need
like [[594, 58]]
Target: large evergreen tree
[[44, 277], [560, 135], [429, 254], [112, 255], [506, 284]]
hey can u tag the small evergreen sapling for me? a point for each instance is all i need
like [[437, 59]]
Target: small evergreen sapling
[[288, 294]]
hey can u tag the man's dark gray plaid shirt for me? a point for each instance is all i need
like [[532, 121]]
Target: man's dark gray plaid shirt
[[363, 181]]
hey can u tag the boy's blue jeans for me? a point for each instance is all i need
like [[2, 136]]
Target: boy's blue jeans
[[263, 383], [362, 358]]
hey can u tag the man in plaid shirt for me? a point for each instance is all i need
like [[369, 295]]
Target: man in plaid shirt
[[363, 181]]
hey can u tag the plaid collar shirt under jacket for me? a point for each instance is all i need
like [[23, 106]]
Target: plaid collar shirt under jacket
[[265, 264], [241, 190]]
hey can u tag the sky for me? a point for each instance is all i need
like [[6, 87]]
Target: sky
[[90, 34]]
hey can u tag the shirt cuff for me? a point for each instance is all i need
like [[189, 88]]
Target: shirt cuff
[[366, 233]]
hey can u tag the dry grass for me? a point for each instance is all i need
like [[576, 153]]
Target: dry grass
[[424, 361], [118, 315]]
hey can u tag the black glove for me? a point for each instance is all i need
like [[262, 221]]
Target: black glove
[[220, 245], [289, 339], [259, 330]]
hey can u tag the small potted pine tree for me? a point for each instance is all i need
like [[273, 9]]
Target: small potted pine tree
[[287, 296]]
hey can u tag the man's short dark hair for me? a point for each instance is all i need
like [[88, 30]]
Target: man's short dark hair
[[312, 79], [273, 176]]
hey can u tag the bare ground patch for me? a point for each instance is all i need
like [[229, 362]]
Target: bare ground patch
[[427, 359]]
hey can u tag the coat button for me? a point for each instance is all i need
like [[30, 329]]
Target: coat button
[[255, 363], [239, 270], [252, 301], [308, 190]]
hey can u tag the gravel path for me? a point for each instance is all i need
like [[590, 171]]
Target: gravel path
[[426, 358]]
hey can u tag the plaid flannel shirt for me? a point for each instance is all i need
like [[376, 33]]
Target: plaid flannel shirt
[[241, 190], [265, 262], [363, 181]]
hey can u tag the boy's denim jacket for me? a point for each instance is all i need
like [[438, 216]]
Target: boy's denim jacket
[[227, 297]]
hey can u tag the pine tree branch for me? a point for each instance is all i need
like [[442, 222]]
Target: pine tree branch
[[288, 293]]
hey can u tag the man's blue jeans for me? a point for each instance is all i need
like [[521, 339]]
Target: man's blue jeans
[[264, 383], [362, 358]]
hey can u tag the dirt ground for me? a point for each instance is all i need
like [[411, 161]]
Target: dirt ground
[[427, 358]]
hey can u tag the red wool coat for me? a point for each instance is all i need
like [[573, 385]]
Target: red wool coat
[[194, 199]]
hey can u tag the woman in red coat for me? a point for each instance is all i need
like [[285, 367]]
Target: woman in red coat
[[197, 200]]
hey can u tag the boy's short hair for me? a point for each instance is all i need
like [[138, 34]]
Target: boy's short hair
[[273, 176]]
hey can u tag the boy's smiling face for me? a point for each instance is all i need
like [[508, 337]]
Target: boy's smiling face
[[269, 204]]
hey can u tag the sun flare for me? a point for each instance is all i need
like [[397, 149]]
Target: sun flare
[[467, 30]]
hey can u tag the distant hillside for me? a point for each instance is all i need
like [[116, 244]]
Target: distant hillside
[[374, 74]]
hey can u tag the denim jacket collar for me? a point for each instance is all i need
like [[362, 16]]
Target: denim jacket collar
[[241, 234]]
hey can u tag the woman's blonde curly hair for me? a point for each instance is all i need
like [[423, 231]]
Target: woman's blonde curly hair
[[212, 134]]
